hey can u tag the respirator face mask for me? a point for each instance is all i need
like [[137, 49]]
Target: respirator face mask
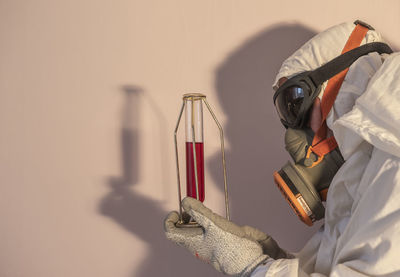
[[305, 182], [316, 158]]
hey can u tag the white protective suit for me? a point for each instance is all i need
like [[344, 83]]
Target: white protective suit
[[361, 233]]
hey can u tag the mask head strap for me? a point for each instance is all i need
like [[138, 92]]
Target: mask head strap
[[345, 60]]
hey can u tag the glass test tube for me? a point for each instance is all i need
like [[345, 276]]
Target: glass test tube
[[194, 151]]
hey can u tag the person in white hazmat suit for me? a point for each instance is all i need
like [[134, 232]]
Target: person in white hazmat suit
[[361, 232]]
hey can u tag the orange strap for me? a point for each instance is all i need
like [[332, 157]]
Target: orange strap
[[322, 145]]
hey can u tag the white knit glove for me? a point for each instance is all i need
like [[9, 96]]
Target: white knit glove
[[231, 249]]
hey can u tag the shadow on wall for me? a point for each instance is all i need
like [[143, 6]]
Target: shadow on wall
[[138, 214], [254, 134]]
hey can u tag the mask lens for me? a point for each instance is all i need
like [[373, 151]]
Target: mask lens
[[288, 103]]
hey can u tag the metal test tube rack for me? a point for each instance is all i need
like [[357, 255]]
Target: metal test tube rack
[[186, 98]]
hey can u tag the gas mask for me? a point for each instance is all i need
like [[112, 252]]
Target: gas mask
[[316, 156], [305, 183]]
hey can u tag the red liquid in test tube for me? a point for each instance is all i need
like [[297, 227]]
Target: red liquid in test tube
[[190, 174], [194, 132]]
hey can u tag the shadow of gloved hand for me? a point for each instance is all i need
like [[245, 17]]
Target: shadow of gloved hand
[[231, 249]]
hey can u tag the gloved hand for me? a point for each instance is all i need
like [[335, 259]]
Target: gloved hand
[[231, 249]]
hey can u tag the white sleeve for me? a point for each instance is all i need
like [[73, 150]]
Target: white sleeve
[[303, 261]]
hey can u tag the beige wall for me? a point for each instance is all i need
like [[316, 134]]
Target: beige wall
[[90, 93]]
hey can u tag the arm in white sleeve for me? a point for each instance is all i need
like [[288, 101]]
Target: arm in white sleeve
[[303, 261]]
